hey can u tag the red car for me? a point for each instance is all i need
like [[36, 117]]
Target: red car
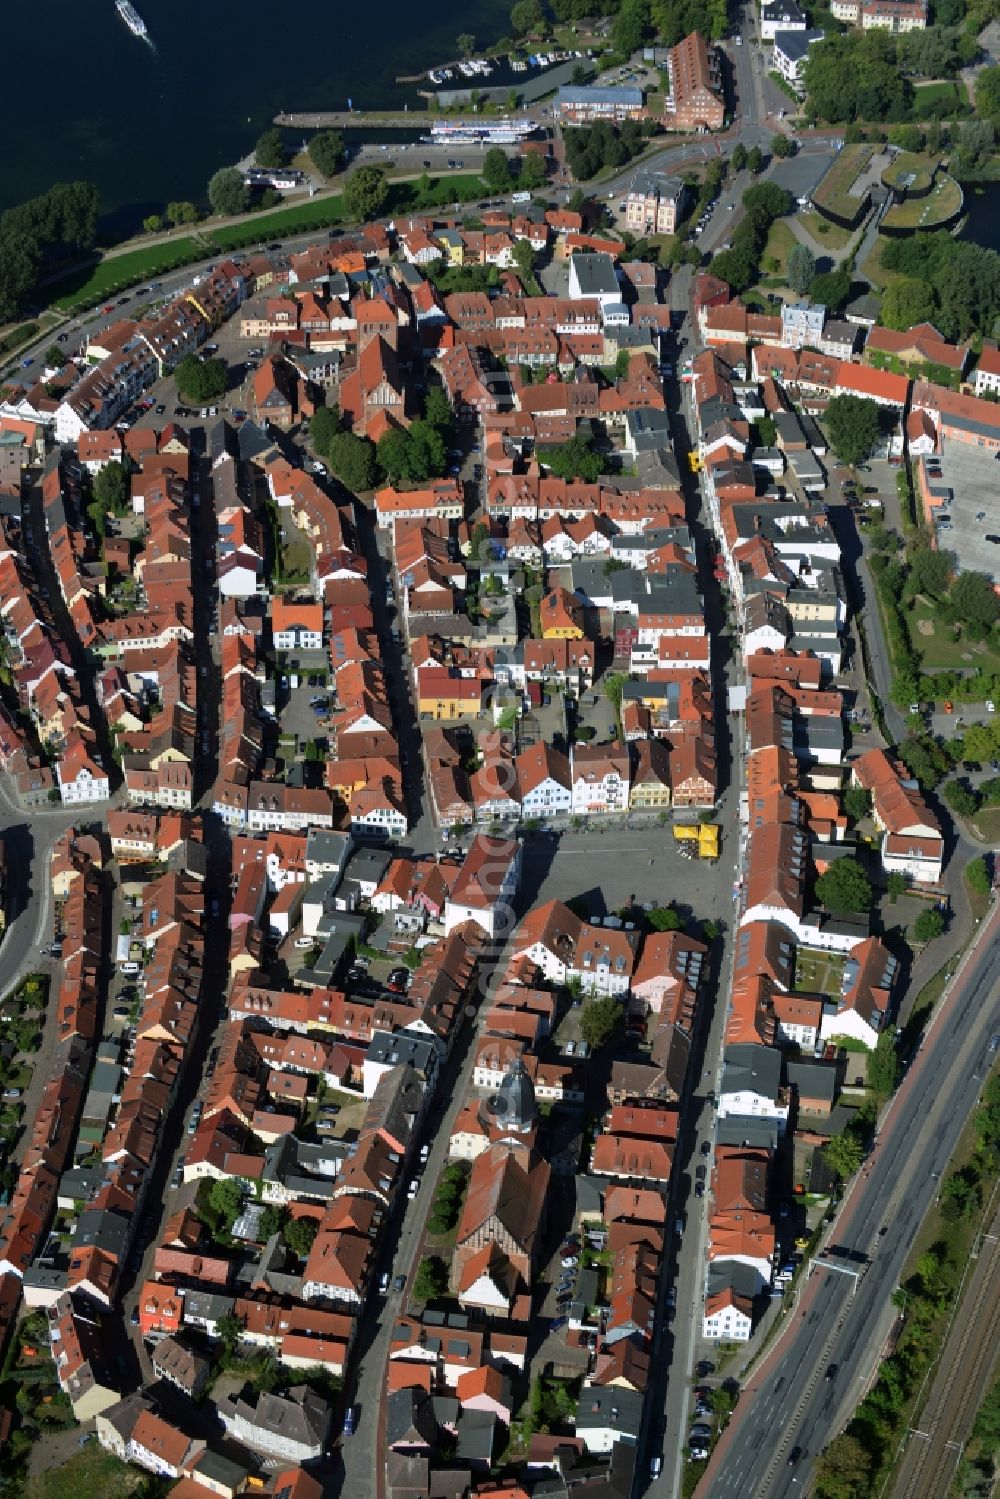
[[108, 307]]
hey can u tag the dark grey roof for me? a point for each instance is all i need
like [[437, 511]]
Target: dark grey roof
[[409, 1419], [476, 1435], [748, 1065], [812, 1079], [795, 44], [396, 1047], [595, 272], [608, 1406]]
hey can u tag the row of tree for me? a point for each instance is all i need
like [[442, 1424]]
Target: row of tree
[[763, 203], [634, 21]]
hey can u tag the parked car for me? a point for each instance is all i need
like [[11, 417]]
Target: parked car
[[570, 1261]]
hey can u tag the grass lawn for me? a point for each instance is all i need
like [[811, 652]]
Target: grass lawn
[[872, 268], [818, 972], [117, 272], [779, 243], [978, 904], [952, 92], [120, 271], [826, 234], [987, 824], [90, 1471], [937, 648]]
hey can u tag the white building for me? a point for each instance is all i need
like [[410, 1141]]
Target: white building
[[727, 1317]]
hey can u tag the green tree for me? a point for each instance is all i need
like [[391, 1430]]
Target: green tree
[[973, 600], [226, 1198], [524, 256], [755, 160], [366, 193], [883, 1065], [738, 160], [431, 1279], [928, 925], [270, 149], [988, 94], [781, 146], [896, 884], [665, 919], [932, 570], [112, 488], [533, 173], [925, 759], [180, 211], [466, 43], [437, 409], [832, 289], [576, 459], [327, 152], [323, 428], [496, 170], [844, 1470], [229, 1330], [227, 192], [844, 1153], [600, 1021], [152, 223], [961, 1195], [201, 380], [272, 1220], [853, 425], [298, 1234], [962, 800], [352, 459], [857, 802], [54, 357], [801, 267], [526, 16], [614, 690], [845, 887], [906, 301], [978, 876]]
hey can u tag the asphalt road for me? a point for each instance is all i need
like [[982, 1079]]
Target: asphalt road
[[844, 1314]]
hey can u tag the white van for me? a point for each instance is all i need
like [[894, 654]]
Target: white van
[[131, 969], [520, 197]]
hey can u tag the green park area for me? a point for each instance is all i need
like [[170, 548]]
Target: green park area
[[942, 647], [825, 232], [931, 96]]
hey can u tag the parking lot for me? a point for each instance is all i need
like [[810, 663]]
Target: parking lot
[[973, 509]]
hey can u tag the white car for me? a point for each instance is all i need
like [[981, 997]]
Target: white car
[[570, 1261], [990, 706]]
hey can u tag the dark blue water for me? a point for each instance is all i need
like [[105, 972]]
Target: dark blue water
[[84, 98], [983, 221]]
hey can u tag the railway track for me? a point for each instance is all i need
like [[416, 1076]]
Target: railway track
[[967, 1359]]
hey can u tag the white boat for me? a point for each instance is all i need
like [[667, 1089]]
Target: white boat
[[131, 17]]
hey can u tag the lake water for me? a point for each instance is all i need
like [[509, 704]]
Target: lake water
[[982, 200], [151, 123]]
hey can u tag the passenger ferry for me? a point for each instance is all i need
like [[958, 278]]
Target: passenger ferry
[[475, 132], [132, 18]]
